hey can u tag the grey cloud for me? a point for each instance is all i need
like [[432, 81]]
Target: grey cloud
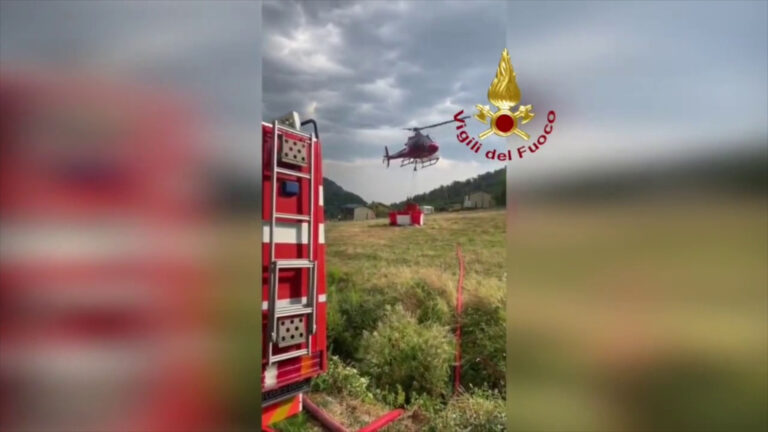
[[407, 59]]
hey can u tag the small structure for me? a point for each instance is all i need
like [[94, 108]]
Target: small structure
[[477, 200], [411, 216], [357, 212], [428, 209]]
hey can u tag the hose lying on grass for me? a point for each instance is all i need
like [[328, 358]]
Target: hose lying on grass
[[333, 426]]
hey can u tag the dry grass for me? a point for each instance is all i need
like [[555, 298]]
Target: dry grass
[[392, 257], [352, 413]]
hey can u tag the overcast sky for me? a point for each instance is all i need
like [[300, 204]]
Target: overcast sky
[[365, 70], [633, 83]]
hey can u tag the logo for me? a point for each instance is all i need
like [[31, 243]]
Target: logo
[[504, 94]]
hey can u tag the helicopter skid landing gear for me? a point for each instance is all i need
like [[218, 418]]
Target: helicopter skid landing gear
[[419, 163]]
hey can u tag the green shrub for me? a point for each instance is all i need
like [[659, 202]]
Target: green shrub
[[393, 398], [341, 379], [401, 355], [483, 345], [428, 305], [352, 310], [426, 405], [479, 411], [297, 423]]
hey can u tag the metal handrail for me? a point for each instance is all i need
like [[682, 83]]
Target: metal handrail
[[275, 264]]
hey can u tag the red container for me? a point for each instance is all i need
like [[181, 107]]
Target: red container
[[417, 218], [411, 216]]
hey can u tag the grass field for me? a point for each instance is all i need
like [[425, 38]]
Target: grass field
[[395, 256], [642, 316], [372, 266]]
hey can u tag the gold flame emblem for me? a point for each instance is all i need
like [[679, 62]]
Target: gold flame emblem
[[504, 94]]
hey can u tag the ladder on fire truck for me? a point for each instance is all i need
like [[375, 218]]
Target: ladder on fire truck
[[307, 308]]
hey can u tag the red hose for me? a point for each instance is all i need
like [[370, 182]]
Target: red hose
[[382, 421], [322, 417], [457, 371], [333, 426]]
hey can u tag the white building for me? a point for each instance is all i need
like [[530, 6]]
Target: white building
[[478, 200]]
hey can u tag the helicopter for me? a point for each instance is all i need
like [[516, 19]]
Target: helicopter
[[420, 150]]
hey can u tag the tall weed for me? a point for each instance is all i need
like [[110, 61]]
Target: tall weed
[[483, 344], [478, 411], [401, 354], [352, 310]]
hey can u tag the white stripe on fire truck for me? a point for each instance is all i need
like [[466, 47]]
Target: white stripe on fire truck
[[292, 233], [97, 240], [270, 376], [320, 192], [291, 301]]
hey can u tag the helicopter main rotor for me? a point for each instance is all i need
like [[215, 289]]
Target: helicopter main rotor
[[418, 128]]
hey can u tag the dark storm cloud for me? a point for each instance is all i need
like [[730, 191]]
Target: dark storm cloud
[[370, 68]]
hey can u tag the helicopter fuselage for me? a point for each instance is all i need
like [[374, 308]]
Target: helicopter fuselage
[[420, 150], [418, 146]]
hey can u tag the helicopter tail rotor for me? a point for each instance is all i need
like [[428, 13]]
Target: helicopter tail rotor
[[386, 156]]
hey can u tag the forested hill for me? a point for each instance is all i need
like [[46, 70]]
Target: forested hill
[[493, 182], [335, 197]]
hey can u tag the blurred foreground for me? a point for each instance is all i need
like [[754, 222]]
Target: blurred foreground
[[113, 263], [639, 314]]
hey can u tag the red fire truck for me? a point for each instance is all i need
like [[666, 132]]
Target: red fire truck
[[293, 264]]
